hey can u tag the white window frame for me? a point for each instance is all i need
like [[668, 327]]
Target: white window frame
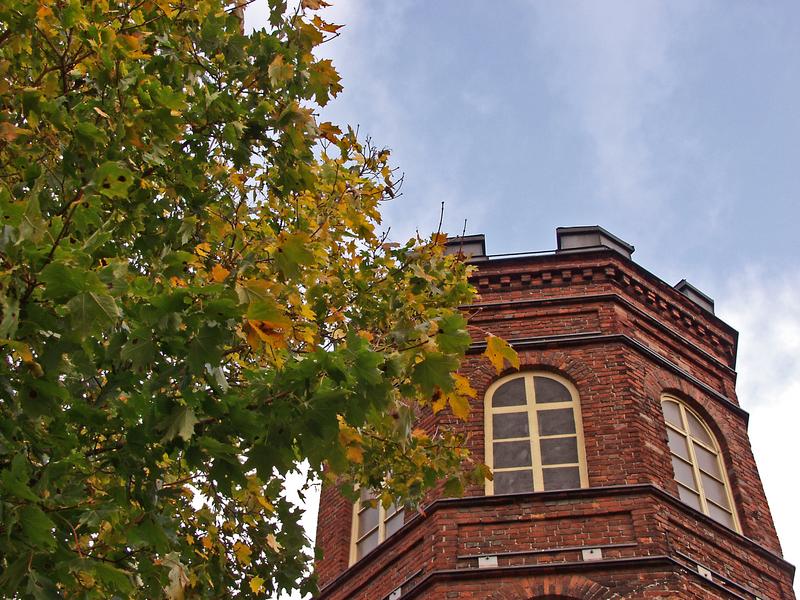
[[533, 427], [685, 432]]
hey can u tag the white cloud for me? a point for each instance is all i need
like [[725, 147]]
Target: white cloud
[[763, 305]]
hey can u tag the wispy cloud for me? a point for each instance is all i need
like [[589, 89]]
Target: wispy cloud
[[763, 306], [613, 67]]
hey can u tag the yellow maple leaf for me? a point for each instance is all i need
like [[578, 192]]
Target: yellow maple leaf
[[219, 273], [459, 405], [273, 543], [257, 584], [279, 70], [498, 351], [242, 552], [355, 454]]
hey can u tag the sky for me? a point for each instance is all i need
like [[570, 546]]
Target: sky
[[675, 125]]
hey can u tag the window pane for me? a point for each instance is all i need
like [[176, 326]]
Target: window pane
[[720, 515], [672, 413], [689, 497], [367, 520], [511, 393], [550, 390], [513, 481], [393, 524], [714, 490], [366, 494], [512, 454], [393, 508], [510, 425], [559, 450], [367, 544], [554, 422], [697, 430], [677, 443], [561, 478], [683, 472], [707, 461]]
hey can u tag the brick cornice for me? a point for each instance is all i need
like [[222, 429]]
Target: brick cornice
[[554, 270], [639, 489], [621, 338], [601, 298]]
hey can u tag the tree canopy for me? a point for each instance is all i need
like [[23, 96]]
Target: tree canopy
[[195, 297]]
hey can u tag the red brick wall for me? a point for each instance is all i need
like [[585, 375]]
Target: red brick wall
[[623, 337]]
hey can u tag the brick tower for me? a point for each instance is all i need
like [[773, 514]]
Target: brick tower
[[622, 463]]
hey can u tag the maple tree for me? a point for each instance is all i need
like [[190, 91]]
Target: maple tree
[[195, 298]]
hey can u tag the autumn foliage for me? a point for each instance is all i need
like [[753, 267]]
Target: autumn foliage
[[195, 297]]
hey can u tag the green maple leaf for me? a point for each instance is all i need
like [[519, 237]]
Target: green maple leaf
[[180, 424]]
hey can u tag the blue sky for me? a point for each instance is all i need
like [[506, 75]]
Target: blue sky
[[675, 125]]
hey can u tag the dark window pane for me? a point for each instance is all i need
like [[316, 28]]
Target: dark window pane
[[677, 443], [393, 524], [511, 393], [683, 472], [714, 490], [672, 413], [393, 508], [698, 430], [561, 478], [707, 461], [550, 390], [722, 516], [689, 497], [513, 481], [366, 494], [510, 425], [367, 520], [512, 454], [559, 450], [555, 422], [367, 544]]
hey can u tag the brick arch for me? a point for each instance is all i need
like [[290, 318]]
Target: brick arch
[[566, 587]]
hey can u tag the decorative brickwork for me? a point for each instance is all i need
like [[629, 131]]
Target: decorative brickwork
[[623, 338]]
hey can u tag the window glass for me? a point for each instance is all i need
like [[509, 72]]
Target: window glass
[[394, 523], [512, 454], [508, 482], [534, 438], [707, 461], [511, 393], [672, 413], [367, 520], [702, 483], [510, 425], [684, 473], [372, 524], [677, 443], [697, 430], [723, 516], [558, 451], [559, 478], [550, 390], [554, 422], [714, 490], [368, 543], [691, 498]]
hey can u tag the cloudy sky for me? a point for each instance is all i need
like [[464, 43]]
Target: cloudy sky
[[675, 125]]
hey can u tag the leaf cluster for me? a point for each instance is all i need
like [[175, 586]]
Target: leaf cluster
[[195, 299]]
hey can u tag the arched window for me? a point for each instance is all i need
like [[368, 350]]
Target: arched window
[[697, 463], [372, 524], [534, 437]]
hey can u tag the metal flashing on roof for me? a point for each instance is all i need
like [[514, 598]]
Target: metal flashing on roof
[[702, 300], [471, 246], [590, 237]]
